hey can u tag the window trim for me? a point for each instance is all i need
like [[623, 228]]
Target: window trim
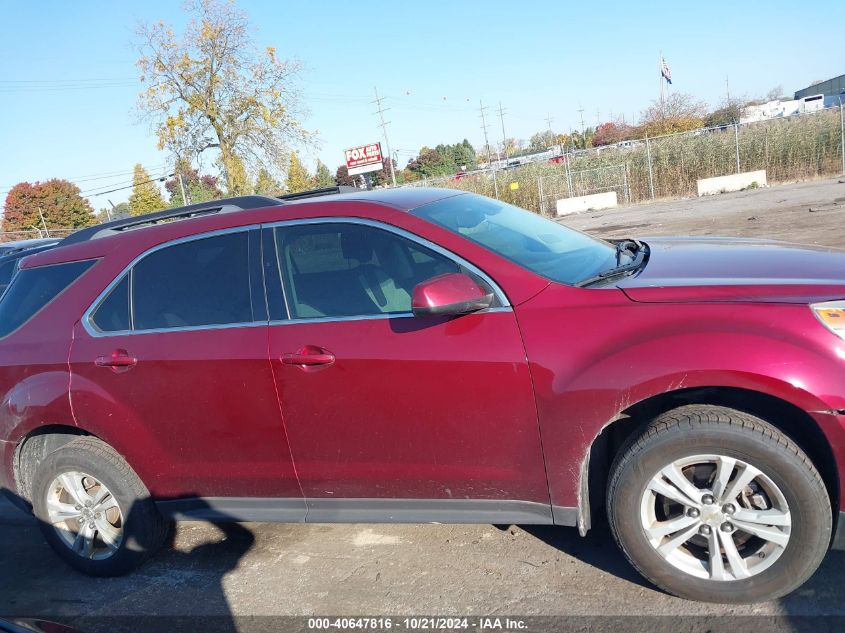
[[93, 331], [497, 290], [87, 316]]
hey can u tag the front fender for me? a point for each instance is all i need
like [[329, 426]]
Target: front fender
[[593, 360]]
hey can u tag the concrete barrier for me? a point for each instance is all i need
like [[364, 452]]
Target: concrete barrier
[[592, 202], [735, 182]]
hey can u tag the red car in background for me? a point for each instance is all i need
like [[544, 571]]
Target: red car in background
[[427, 355]]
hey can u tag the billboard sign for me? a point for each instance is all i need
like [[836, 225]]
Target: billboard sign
[[364, 159]]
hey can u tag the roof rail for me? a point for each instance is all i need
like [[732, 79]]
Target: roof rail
[[313, 193], [224, 205]]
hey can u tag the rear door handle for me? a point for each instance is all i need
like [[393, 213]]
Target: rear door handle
[[119, 360], [309, 356]]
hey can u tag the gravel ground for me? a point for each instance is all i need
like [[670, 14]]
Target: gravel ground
[[780, 212], [237, 571]]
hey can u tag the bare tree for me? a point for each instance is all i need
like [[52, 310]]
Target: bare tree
[[679, 112]]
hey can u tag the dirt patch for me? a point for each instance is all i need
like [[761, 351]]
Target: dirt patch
[[778, 212]]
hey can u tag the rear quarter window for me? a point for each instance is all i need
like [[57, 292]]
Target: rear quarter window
[[7, 269], [32, 289]]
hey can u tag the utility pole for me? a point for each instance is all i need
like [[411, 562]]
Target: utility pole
[[598, 117], [482, 108], [842, 133], [43, 223], [551, 134], [182, 189], [728, 89], [108, 213], [383, 126], [583, 129], [504, 136]]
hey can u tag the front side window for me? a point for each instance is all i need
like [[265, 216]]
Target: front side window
[[201, 282], [348, 270], [527, 239], [33, 288]]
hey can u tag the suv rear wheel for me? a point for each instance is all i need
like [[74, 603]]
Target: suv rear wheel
[[713, 504], [94, 510]]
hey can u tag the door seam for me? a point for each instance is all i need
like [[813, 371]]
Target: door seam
[[285, 428], [70, 375], [536, 412]]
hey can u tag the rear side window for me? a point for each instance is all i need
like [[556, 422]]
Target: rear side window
[[32, 289], [201, 282], [113, 313]]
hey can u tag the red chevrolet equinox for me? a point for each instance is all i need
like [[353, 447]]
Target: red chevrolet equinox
[[426, 355]]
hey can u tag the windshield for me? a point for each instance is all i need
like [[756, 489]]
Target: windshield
[[530, 240]]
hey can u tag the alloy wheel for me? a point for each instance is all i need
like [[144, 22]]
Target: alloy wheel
[[715, 517], [85, 515]]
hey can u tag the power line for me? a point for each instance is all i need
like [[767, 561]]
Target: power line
[[96, 192], [64, 80], [383, 126], [120, 175], [102, 193], [12, 89]]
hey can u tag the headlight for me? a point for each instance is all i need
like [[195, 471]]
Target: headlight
[[832, 316]]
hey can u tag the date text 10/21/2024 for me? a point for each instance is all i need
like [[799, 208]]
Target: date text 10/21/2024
[[418, 623]]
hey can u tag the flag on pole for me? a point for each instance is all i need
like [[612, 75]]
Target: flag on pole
[[664, 70]]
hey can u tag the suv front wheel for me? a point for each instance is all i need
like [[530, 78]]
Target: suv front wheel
[[713, 504], [94, 510]]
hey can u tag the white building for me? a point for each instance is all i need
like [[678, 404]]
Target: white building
[[778, 109]]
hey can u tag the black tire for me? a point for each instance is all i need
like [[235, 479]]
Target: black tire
[[144, 529], [702, 430]]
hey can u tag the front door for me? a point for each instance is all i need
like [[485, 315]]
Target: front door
[[171, 367], [387, 408]]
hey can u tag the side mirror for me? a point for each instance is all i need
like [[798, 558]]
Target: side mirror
[[448, 295]]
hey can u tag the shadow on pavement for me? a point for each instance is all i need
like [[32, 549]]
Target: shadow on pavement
[[818, 605], [45, 587], [597, 549]]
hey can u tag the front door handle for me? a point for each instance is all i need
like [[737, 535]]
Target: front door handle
[[119, 360], [309, 356]]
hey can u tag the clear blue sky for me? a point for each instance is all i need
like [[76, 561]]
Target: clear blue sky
[[432, 61]]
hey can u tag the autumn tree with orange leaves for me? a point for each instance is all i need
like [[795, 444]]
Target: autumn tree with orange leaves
[[59, 201]]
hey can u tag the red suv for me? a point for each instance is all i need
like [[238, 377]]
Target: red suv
[[421, 355]]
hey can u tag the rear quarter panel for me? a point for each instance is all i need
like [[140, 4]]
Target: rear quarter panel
[[33, 386]]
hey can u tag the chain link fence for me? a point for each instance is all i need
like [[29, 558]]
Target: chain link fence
[[800, 147], [31, 234], [554, 187]]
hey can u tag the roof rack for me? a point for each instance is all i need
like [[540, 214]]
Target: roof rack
[[224, 205], [193, 210]]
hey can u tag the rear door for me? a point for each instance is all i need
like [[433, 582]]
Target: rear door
[[171, 365], [390, 415]]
